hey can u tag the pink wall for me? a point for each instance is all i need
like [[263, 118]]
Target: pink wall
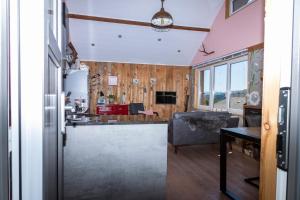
[[241, 30]]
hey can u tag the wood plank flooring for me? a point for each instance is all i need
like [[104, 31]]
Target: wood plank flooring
[[193, 174]]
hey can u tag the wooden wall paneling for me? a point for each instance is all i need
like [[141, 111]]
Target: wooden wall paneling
[[121, 83], [179, 84], [169, 87], [193, 95], [131, 86], [161, 86], [140, 86], [117, 68], [127, 81], [191, 90], [149, 92], [93, 85], [135, 91], [109, 71], [152, 74], [145, 84], [187, 81], [196, 88], [112, 71], [176, 76], [171, 78], [125, 77]]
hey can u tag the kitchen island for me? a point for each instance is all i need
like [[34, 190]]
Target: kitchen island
[[116, 157]]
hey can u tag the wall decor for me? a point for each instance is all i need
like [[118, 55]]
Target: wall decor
[[152, 81], [187, 76], [112, 80], [135, 81]]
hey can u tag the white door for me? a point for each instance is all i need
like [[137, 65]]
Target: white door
[[51, 133]]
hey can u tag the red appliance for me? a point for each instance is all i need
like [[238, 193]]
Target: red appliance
[[112, 109]]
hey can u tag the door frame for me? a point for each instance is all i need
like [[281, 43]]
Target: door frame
[[277, 71], [33, 50], [4, 158]]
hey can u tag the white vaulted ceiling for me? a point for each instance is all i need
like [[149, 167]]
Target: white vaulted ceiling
[[140, 44]]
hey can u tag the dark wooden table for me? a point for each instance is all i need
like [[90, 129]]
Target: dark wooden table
[[251, 134]]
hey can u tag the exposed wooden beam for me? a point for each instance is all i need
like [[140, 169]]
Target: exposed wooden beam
[[255, 47], [134, 23]]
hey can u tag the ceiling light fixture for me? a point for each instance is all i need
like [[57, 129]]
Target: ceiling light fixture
[[162, 21]]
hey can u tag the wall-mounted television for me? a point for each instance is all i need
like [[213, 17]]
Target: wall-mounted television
[[165, 97]]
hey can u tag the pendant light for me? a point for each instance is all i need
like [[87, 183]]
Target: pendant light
[[162, 20]]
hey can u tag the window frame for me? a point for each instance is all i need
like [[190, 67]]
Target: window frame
[[229, 8], [205, 107], [212, 67], [213, 88]]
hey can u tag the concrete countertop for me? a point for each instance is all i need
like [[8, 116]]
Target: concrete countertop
[[115, 120]]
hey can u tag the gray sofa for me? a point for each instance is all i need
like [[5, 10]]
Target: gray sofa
[[201, 127]]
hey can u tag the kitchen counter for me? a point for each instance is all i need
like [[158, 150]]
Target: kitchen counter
[[116, 158], [86, 120]]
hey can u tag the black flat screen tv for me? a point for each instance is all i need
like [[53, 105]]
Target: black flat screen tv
[[165, 97]]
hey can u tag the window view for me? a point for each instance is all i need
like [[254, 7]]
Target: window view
[[238, 4], [238, 85], [204, 87], [220, 84], [228, 90]]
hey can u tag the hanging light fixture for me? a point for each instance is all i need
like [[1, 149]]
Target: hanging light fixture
[[162, 20]]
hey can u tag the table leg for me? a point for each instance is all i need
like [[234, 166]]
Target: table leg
[[223, 167], [223, 163]]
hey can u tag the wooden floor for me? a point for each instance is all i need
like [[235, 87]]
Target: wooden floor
[[193, 174]]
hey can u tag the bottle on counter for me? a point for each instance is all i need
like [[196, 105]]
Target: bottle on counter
[[123, 98], [101, 99]]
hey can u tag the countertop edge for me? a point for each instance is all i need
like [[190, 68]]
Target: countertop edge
[[112, 123]]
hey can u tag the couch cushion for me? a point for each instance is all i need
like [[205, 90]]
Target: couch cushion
[[211, 123], [178, 115]]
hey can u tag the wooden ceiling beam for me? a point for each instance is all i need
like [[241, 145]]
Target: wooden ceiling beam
[[134, 23]]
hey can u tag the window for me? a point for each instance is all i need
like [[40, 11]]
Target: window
[[204, 87], [238, 85], [220, 88], [233, 6], [223, 85]]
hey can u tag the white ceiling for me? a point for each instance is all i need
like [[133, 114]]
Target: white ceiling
[[140, 44]]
